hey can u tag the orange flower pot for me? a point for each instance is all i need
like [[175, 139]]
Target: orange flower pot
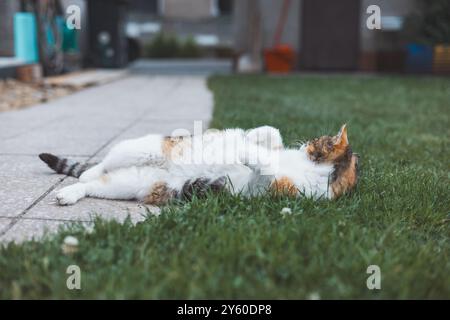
[[280, 59]]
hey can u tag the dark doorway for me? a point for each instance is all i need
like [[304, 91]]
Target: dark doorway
[[330, 34], [144, 6], [225, 7]]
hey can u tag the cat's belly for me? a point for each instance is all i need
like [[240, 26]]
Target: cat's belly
[[211, 150]]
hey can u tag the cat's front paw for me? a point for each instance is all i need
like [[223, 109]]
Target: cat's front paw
[[71, 194]]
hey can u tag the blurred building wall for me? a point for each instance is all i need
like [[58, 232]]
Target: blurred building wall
[[7, 10], [189, 9], [368, 38], [383, 46], [270, 12], [370, 41], [210, 27]]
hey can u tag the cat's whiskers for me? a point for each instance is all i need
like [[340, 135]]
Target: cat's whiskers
[[300, 143]]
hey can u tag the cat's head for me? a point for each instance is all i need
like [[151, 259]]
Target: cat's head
[[328, 149]]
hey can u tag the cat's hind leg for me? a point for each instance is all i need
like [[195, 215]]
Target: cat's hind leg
[[123, 184], [146, 150]]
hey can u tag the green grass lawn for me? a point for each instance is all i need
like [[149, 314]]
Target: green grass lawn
[[228, 247]]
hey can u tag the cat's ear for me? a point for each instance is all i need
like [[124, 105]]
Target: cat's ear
[[341, 138]]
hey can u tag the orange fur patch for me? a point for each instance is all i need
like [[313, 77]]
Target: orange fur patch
[[347, 180], [104, 178], [285, 186], [167, 146], [337, 152], [310, 148], [159, 194], [173, 147]]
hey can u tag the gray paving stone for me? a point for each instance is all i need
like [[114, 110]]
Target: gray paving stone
[[30, 229], [57, 141], [185, 104], [23, 180], [4, 223]]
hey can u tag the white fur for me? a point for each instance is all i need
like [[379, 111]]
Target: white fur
[[128, 153], [250, 159]]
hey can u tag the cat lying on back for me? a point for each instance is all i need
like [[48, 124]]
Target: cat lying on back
[[156, 169]]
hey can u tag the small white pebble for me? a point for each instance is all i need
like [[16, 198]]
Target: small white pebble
[[314, 296], [70, 245], [286, 211], [71, 241]]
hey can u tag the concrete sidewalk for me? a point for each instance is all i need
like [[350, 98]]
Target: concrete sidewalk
[[83, 126]]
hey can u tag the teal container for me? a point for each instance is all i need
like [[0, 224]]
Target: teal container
[[70, 43], [25, 37]]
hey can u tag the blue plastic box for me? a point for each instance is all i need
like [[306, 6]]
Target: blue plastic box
[[419, 58], [25, 37]]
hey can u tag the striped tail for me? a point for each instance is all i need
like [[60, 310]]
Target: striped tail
[[65, 166]]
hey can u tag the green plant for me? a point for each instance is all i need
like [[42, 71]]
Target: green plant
[[431, 23], [162, 46], [189, 49], [169, 46]]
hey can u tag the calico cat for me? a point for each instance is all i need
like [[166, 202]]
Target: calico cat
[[156, 169]]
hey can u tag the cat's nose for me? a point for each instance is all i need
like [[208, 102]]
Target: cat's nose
[[313, 156], [317, 156]]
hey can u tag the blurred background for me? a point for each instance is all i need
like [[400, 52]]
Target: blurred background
[[253, 35]]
